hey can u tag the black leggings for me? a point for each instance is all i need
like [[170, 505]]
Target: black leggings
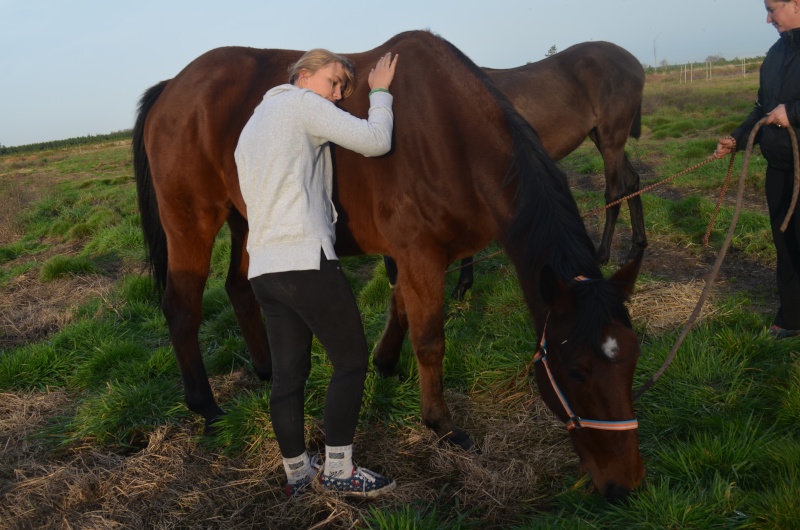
[[778, 187], [297, 304]]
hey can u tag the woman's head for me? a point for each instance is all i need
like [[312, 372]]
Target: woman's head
[[330, 75], [783, 14]]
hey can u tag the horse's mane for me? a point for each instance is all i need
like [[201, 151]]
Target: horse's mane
[[547, 227]]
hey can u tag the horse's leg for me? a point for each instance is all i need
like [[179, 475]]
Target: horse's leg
[[391, 270], [423, 294], [630, 184], [612, 153], [245, 305], [190, 239], [465, 278], [387, 352]]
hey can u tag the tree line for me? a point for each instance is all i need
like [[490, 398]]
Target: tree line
[[69, 142]]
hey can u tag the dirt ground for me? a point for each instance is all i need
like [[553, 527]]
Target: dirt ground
[[666, 261]]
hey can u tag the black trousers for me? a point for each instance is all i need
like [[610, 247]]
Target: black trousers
[[296, 305], [778, 187]]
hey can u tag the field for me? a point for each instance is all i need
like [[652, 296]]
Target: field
[[94, 433]]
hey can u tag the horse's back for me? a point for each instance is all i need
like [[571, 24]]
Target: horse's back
[[192, 129], [566, 95], [191, 133], [450, 152]]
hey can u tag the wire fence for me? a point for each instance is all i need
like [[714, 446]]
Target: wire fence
[[695, 72]]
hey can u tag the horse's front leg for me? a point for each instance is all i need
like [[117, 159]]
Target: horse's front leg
[[423, 294], [613, 163], [245, 305]]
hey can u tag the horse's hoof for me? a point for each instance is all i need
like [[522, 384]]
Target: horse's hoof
[[603, 256], [383, 369], [212, 426], [635, 250], [265, 376], [459, 293], [460, 439]]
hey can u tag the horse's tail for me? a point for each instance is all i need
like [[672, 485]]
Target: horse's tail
[[636, 126], [154, 236]]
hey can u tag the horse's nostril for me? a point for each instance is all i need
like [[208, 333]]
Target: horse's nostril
[[615, 493]]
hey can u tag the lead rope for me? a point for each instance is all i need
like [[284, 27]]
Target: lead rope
[[723, 250], [634, 194]]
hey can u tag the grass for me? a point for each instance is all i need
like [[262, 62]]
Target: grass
[[97, 434]]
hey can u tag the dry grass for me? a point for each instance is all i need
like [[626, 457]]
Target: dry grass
[[175, 483], [31, 310], [664, 306]]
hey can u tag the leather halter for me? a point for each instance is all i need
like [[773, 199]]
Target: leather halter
[[574, 421]]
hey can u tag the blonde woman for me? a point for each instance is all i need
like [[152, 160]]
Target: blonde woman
[[285, 171]]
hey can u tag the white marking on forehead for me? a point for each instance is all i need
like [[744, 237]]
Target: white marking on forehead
[[610, 347]]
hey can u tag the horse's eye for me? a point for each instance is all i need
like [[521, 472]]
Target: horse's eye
[[576, 375]]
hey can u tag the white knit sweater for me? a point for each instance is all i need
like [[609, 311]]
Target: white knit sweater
[[286, 175]]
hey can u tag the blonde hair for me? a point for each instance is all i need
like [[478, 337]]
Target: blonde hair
[[318, 58]]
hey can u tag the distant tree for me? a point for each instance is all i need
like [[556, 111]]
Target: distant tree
[[663, 62], [551, 51], [715, 58]]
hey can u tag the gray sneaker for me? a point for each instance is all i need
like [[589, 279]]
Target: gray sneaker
[[363, 483]]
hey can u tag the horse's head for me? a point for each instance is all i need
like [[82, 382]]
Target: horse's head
[[585, 363]]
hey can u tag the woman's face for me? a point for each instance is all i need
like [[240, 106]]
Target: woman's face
[[326, 82], [783, 15]]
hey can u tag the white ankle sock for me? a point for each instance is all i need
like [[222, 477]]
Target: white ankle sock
[[298, 468], [339, 461]]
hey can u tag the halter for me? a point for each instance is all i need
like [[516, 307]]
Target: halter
[[574, 421]]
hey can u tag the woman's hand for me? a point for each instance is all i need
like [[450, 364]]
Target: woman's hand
[[778, 117], [725, 146], [382, 74]]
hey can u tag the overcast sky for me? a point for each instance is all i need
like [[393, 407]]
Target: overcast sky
[[74, 68]]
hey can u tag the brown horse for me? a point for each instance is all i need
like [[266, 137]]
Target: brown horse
[[590, 89], [465, 169]]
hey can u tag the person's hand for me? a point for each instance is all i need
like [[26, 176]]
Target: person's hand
[[725, 146], [382, 74], [778, 117]]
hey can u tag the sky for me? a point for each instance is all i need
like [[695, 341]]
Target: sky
[[78, 68]]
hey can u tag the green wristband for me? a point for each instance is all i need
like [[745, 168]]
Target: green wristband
[[378, 90]]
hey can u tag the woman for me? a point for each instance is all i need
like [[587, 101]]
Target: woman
[[284, 163], [779, 100]]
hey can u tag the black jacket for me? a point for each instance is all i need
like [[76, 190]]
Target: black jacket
[[779, 83]]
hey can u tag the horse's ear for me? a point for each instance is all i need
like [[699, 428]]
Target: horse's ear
[[555, 293], [625, 278]]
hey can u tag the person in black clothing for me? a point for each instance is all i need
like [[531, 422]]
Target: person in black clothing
[[778, 100]]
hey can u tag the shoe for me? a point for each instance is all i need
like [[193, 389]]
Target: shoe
[[305, 485], [363, 483], [781, 333]]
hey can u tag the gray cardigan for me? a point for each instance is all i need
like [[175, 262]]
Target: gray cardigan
[[286, 175]]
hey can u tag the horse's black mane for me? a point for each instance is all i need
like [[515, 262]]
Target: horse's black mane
[[547, 225]]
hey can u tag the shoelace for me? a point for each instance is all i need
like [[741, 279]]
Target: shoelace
[[367, 474]]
